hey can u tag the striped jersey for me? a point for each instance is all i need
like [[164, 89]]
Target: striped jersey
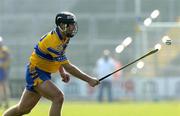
[[49, 53]]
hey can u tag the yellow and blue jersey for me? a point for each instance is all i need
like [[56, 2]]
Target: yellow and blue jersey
[[4, 62], [47, 57], [49, 53]]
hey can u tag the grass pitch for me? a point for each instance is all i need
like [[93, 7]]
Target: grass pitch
[[110, 109]]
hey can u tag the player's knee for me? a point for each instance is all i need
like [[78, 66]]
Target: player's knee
[[58, 98], [24, 110]]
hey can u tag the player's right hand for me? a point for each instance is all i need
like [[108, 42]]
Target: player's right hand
[[65, 77]]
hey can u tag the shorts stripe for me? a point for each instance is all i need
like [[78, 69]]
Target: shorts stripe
[[35, 76]]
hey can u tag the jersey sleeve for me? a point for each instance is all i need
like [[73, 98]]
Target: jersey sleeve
[[6, 59]]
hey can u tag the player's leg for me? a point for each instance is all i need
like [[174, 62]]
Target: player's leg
[[5, 94], [48, 90], [1, 91], [109, 91], [1, 86], [100, 94], [28, 100], [6, 88]]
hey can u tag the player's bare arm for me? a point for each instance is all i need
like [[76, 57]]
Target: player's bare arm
[[65, 76], [70, 68]]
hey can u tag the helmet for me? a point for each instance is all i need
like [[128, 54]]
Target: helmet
[[1, 42], [63, 20]]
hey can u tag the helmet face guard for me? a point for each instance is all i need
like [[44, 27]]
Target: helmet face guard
[[67, 23]]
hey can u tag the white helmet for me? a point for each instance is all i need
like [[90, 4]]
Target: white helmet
[[1, 40]]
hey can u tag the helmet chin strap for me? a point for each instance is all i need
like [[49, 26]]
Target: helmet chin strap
[[63, 30], [60, 29]]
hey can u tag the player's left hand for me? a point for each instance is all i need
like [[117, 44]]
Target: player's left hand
[[65, 77]]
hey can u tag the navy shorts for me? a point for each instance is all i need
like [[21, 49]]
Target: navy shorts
[[3, 74], [35, 76]]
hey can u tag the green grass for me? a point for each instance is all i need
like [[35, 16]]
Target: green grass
[[111, 109]]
